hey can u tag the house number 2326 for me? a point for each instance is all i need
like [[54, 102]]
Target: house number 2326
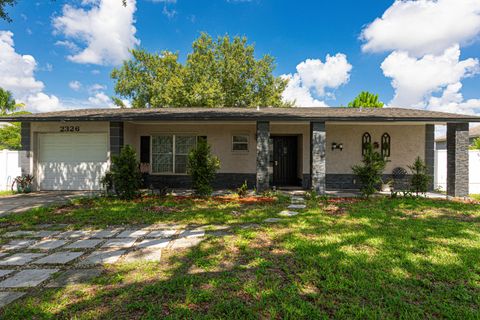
[[69, 128]]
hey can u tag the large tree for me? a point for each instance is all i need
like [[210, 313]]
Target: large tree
[[366, 100], [3, 13], [7, 103], [217, 73]]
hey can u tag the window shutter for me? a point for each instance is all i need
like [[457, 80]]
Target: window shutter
[[145, 149]]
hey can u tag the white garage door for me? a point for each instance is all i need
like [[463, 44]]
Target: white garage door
[[71, 161]]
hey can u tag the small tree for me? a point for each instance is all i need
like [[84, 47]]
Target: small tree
[[202, 167], [476, 144], [125, 173], [370, 171], [366, 100], [420, 178]]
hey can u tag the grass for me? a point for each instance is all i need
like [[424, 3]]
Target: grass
[[383, 258], [6, 193], [475, 196]]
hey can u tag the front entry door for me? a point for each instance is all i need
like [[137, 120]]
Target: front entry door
[[284, 161]]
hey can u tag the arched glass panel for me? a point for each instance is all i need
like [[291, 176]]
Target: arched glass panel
[[386, 143], [366, 140]]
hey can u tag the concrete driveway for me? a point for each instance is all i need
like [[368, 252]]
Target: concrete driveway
[[22, 202]]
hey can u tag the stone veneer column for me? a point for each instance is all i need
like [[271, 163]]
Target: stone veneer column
[[430, 153], [457, 159], [317, 156], [25, 154], [263, 135], [116, 137]]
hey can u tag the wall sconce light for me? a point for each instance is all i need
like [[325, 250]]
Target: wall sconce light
[[337, 146]]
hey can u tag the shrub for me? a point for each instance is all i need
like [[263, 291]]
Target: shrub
[[202, 167], [370, 171], [420, 178], [125, 173], [242, 191]]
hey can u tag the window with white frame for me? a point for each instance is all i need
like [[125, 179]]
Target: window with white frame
[[170, 153], [240, 142]]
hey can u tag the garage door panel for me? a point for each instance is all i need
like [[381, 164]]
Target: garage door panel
[[72, 161]]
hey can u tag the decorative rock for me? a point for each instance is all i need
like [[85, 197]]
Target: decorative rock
[[153, 243], [3, 273], [48, 244], [59, 257], [297, 206], [75, 276], [27, 278], [192, 233], [119, 243], [286, 213], [103, 257], [161, 234], [84, 244], [272, 220], [182, 243], [143, 255], [9, 297], [20, 259], [132, 233], [18, 244]]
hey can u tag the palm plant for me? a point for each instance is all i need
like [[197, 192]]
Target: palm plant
[[7, 103], [366, 100]]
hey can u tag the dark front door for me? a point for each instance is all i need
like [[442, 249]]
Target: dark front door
[[284, 161]]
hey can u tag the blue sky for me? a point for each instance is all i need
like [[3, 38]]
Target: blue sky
[[429, 50]]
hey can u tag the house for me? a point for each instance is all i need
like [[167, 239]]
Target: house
[[302, 147], [441, 142]]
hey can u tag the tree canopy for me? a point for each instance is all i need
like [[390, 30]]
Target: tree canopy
[[217, 73], [366, 100], [7, 103], [3, 13]]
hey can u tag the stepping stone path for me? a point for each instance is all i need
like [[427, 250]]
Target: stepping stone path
[[296, 206], [71, 252], [296, 202], [287, 213]]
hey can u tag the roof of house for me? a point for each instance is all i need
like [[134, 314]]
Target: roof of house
[[265, 114], [473, 133]]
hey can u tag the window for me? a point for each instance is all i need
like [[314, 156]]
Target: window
[[385, 148], [240, 142], [170, 153], [366, 140]]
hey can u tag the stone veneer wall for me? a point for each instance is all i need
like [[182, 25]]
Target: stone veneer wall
[[430, 153], [457, 159], [263, 135]]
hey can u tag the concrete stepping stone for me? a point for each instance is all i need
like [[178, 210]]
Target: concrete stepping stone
[[73, 234], [74, 276], [27, 278], [272, 220], [119, 243], [59, 257], [144, 255], [48, 244], [84, 244], [161, 234], [3, 273], [19, 233], [192, 233], [153, 243], [250, 226], [133, 233], [103, 257], [18, 244], [2, 254], [296, 206], [44, 234], [297, 200], [287, 213], [182, 243], [107, 233], [20, 259], [9, 297]]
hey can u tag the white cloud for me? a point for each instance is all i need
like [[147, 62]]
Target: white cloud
[[416, 79], [452, 100], [75, 85], [96, 87], [103, 29], [100, 99], [313, 77], [423, 26]]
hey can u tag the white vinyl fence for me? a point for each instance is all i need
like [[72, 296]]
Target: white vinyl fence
[[9, 168], [441, 170]]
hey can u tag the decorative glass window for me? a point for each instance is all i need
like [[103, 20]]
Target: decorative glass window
[[366, 140], [385, 147], [240, 142], [170, 153]]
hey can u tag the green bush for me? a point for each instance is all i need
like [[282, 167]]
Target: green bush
[[242, 191], [420, 178], [370, 171], [125, 173], [202, 167]]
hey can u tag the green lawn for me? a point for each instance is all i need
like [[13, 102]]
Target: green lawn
[[6, 193], [383, 258], [475, 196]]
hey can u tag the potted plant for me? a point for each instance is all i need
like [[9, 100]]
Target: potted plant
[[24, 183]]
